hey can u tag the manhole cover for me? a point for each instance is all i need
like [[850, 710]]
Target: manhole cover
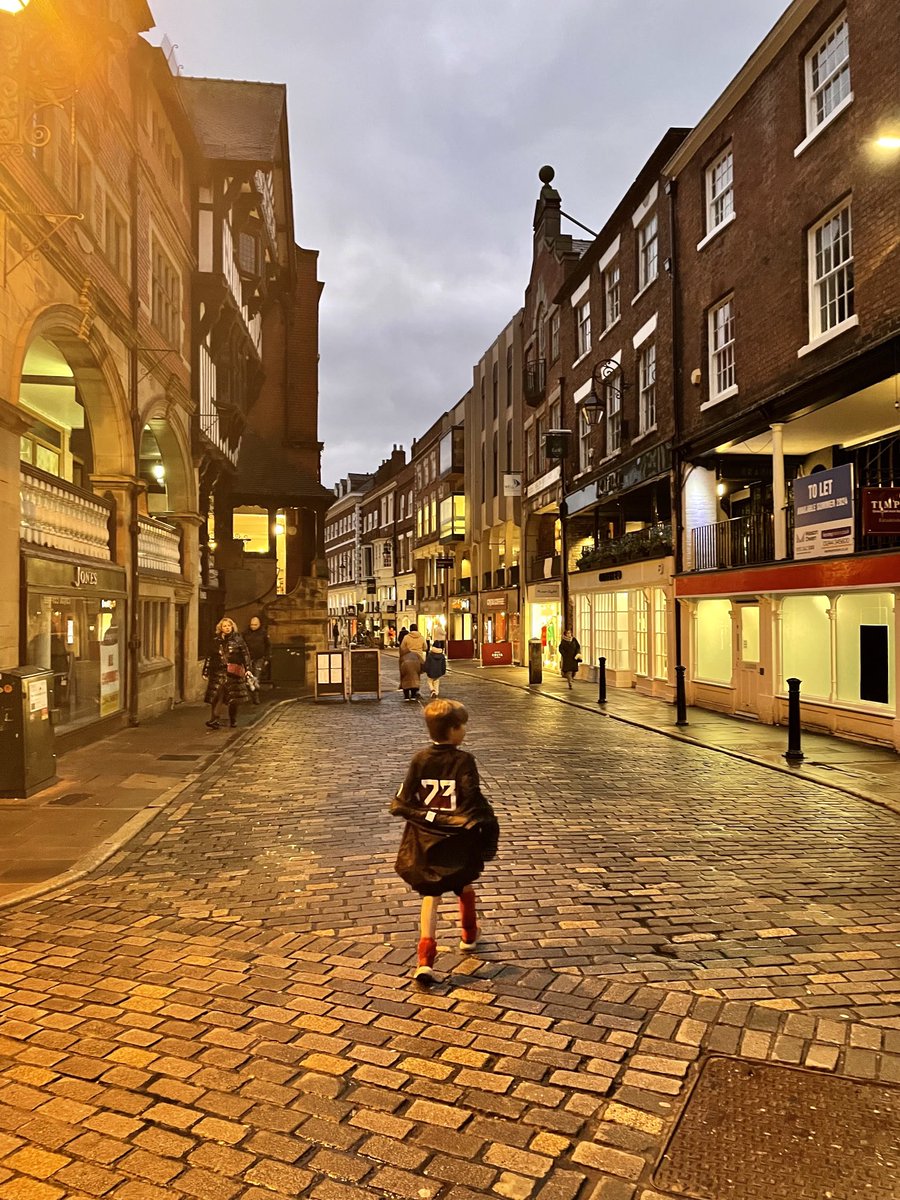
[[177, 757], [752, 1131], [72, 798]]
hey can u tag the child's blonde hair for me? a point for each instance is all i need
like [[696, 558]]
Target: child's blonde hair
[[443, 715]]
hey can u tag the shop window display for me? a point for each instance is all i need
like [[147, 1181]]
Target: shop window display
[[864, 647], [806, 645], [77, 638], [660, 635], [713, 648]]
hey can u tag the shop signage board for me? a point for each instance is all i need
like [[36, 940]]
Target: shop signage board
[[460, 604], [445, 564], [881, 511], [496, 654], [512, 484], [365, 674], [495, 603], [823, 513], [545, 591], [330, 674]]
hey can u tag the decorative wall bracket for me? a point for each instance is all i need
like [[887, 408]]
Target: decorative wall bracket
[[31, 249]]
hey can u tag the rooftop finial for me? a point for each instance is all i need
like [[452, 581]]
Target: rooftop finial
[[546, 174]]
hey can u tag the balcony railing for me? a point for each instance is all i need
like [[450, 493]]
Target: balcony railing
[[544, 566], [653, 542], [739, 542], [159, 546], [60, 516], [534, 382]]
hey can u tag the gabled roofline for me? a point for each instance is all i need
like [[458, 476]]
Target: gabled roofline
[[759, 61]]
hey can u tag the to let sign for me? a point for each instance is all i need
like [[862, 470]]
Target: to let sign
[[881, 511], [823, 513]]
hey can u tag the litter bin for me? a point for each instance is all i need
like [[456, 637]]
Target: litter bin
[[27, 743], [287, 664], [535, 661]]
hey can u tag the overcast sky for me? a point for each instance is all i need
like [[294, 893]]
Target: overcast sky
[[417, 131]]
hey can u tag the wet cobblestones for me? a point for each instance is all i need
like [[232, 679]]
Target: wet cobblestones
[[226, 1010]]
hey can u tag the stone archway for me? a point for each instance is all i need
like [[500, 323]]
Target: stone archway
[[175, 456], [94, 374]]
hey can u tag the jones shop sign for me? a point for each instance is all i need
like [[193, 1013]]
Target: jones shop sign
[[881, 511], [823, 513]]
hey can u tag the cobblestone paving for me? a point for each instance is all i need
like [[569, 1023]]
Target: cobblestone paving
[[225, 1010]]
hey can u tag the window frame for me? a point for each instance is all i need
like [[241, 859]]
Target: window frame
[[647, 387], [611, 280], [713, 196], [814, 121], [644, 244], [583, 328], [724, 353], [612, 389], [816, 328]]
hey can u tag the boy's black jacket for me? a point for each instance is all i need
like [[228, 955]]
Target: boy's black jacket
[[451, 829]]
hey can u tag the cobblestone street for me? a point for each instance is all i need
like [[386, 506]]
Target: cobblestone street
[[225, 1009]]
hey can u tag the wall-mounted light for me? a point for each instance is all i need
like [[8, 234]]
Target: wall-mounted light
[[159, 472], [278, 528], [721, 489], [888, 142], [13, 6]]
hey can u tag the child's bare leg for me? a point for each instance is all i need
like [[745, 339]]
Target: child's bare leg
[[427, 942]]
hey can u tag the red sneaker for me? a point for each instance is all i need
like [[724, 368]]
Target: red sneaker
[[425, 967]]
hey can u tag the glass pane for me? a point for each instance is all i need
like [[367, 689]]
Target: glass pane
[[713, 653], [750, 633]]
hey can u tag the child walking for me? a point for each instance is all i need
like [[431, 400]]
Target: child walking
[[435, 668], [451, 830]]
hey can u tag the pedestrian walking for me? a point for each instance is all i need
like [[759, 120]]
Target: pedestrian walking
[[260, 650], [226, 668], [451, 829], [335, 633], [570, 656], [412, 662], [401, 635], [435, 668]]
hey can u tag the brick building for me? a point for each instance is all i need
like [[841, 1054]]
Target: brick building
[[788, 255], [618, 400], [554, 256], [97, 487], [489, 584], [343, 556]]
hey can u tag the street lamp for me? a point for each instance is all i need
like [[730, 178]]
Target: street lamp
[[13, 6], [593, 406]]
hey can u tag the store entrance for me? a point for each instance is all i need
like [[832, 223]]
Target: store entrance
[[747, 634]]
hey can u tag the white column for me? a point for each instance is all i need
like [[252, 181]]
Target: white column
[[778, 491]]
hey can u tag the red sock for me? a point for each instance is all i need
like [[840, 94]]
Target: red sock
[[468, 917], [427, 950]]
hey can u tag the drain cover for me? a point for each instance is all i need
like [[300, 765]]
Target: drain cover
[[177, 757], [753, 1131], [72, 798]]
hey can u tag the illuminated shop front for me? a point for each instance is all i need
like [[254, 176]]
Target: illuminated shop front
[[743, 646], [545, 620], [626, 617], [74, 625], [462, 620], [500, 618]]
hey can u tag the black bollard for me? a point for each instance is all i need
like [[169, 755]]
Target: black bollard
[[680, 697], [794, 754], [601, 680]]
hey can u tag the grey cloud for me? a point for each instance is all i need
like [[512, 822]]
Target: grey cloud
[[418, 127]]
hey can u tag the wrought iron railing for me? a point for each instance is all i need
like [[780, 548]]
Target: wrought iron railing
[[738, 542], [653, 542]]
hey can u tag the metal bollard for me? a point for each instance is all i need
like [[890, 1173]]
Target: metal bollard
[[601, 680], [680, 697], [794, 753]]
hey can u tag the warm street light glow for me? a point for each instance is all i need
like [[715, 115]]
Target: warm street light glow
[[888, 143], [12, 6]]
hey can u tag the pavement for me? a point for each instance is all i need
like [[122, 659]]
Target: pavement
[[220, 1004]]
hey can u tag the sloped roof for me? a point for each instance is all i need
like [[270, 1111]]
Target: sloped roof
[[235, 119]]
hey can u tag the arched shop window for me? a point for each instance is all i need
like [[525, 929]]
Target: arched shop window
[[713, 646]]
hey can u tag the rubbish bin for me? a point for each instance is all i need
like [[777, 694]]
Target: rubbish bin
[[287, 664], [27, 743], [535, 661]]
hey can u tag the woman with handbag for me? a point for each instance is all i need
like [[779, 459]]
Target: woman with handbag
[[226, 669], [570, 656]]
